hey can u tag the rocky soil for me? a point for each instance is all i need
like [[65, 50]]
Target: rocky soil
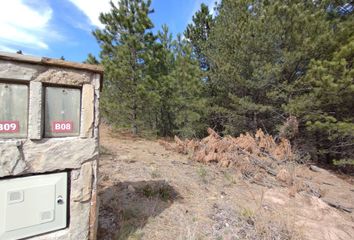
[[147, 192]]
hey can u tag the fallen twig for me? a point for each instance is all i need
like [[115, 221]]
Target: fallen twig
[[338, 206]]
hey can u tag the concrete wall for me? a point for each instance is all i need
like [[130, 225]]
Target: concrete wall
[[77, 155]]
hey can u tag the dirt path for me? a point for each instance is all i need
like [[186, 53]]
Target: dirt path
[[147, 192]]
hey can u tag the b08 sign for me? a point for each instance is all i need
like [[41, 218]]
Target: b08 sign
[[62, 127], [9, 126]]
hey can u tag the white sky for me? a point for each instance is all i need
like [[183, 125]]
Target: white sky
[[92, 9], [22, 24]]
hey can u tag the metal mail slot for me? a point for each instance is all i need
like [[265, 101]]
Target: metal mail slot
[[62, 111], [32, 205], [13, 110]]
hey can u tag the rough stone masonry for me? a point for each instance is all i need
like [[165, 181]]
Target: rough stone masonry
[[77, 155]]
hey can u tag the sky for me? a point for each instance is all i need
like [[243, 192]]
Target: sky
[[55, 28]]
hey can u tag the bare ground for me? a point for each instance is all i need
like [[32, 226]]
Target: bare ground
[[147, 192]]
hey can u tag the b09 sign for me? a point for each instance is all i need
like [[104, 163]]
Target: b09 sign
[[62, 127], [9, 126]]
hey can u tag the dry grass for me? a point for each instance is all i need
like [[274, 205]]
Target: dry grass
[[203, 174], [216, 202], [260, 159], [246, 152]]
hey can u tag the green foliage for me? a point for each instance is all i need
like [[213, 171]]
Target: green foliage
[[203, 174], [163, 192], [125, 42], [326, 108], [189, 105], [198, 33], [343, 162], [252, 65], [271, 59], [91, 59], [256, 50], [151, 82], [176, 84]]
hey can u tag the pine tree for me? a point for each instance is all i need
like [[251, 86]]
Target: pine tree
[[198, 33], [257, 50], [189, 106], [166, 86], [126, 44], [325, 108], [176, 83], [91, 59]]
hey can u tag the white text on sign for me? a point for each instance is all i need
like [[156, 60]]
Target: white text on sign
[[9, 126], [62, 127]]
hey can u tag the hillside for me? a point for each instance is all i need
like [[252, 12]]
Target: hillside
[[148, 192]]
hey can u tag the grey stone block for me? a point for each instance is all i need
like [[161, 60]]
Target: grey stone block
[[35, 129]]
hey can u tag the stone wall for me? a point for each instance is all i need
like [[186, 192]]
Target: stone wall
[[76, 155]]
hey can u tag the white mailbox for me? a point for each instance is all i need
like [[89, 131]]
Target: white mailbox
[[32, 205]]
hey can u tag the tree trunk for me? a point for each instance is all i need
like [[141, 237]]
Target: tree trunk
[[134, 120], [255, 121], [134, 83]]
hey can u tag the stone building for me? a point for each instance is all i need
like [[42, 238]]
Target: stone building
[[49, 139]]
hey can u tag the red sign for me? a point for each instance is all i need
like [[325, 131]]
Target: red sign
[[62, 127], [9, 126]]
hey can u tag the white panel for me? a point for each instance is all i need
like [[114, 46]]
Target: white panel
[[32, 205], [62, 109], [13, 110]]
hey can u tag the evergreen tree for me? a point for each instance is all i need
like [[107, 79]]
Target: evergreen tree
[[176, 81], [325, 108], [257, 49], [189, 106], [91, 59], [165, 83], [198, 33], [126, 43]]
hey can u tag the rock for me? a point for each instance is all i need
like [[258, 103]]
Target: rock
[[312, 189], [64, 76], [131, 189], [35, 111], [87, 111], [19, 71], [317, 169], [124, 157], [334, 203], [93, 216], [11, 161], [97, 83], [82, 186], [59, 154], [79, 220], [284, 176]]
